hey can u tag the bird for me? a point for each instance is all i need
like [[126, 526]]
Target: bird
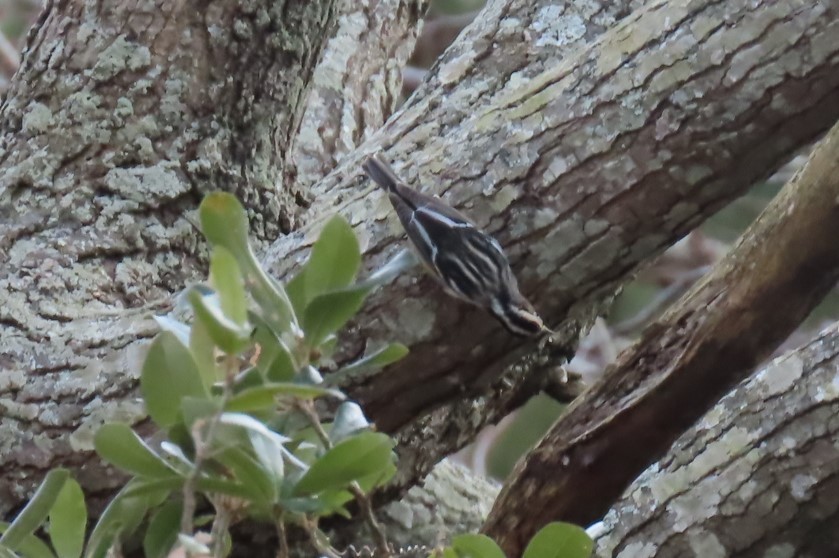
[[469, 263]]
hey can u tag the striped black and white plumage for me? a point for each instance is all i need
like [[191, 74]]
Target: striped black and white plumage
[[469, 263]]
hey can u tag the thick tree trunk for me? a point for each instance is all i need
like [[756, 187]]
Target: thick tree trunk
[[120, 119], [357, 84]]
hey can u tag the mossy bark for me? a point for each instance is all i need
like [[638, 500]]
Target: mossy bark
[[120, 119]]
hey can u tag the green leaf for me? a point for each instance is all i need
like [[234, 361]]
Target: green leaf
[[271, 297], [147, 488], [163, 530], [275, 360], [296, 290], [203, 353], [169, 374], [270, 456], [334, 261], [31, 547], [217, 485], [559, 540], [378, 478], [251, 400], [120, 518], [195, 408], [176, 458], [250, 424], [36, 511], [351, 459], [230, 337], [117, 444], [170, 324], [304, 505], [246, 379], [68, 520], [349, 419], [228, 281], [225, 223], [476, 546], [309, 376], [333, 501], [377, 359], [281, 368], [328, 313], [250, 474]]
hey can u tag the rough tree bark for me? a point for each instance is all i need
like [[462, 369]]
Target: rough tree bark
[[756, 477], [712, 338], [357, 84], [584, 168], [120, 118], [590, 136]]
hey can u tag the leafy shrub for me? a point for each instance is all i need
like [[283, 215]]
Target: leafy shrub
[[235, 391]]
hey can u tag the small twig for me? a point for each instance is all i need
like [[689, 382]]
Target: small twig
[[311, 415], [319, 540], [283, 551], [202, 447], [367, 509], [361, 497], [220, 524]]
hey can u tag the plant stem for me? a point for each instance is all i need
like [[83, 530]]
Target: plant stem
[[308, 410], [202, 446], [282, 552], [367, 508], [220, 524], [318, 540]]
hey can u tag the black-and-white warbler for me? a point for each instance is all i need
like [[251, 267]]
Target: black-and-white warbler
[[469, 263]]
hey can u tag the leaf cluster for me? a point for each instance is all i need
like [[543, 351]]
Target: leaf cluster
[[234, 392]]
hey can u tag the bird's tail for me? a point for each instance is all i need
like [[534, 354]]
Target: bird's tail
[[380, 172]]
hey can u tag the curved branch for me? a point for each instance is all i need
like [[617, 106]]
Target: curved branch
[[781, 268]]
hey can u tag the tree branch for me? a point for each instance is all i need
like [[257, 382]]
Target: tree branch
[[357, 83], [756, 475], [583, 168], [781, 268]]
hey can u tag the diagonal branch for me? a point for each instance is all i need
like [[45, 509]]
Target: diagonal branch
[[757, 475], [781, 268], [584, 168]]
